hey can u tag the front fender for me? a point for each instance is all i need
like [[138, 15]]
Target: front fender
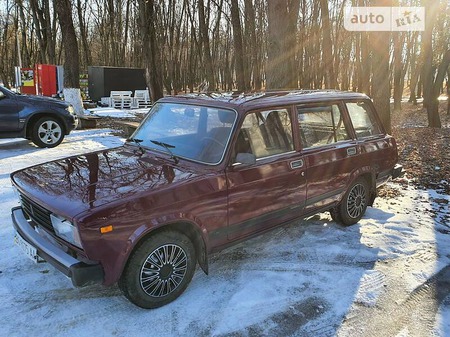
[[113, 249]]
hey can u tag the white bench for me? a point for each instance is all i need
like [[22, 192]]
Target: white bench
[[141, 99], [120, 99]]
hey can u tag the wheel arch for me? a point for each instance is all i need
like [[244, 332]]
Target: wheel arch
[[187, 228], [36, 116], [371, 182], [368, 174]]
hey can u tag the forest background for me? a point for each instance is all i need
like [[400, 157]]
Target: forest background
[[240, 45]]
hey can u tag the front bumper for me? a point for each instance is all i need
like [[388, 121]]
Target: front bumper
[[79, 272]]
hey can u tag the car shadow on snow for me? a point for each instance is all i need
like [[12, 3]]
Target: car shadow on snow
[[299, 279]]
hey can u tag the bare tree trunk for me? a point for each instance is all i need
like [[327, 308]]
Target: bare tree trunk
[[327, 56], [415, 70], [366, 64], [346, 73], [83, 33], [252, 48], [238, 48], [24, 52], [282, 28], [71, 58], [69, 38], [150, 47], [448, 91], [398, 70], [433, 102], [45, 31], [380, 75], [204, 41], [127, 22], [430, 101]]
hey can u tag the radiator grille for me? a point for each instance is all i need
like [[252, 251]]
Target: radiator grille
[[37, 213]]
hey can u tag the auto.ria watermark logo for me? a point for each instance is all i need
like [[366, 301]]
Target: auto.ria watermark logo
[[384, 19]]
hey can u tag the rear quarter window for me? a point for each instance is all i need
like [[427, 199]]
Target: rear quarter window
[[321, 125], [363, 119]]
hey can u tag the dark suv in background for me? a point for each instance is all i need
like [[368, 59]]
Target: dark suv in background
[[43, 120]]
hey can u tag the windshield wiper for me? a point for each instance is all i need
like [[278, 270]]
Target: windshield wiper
[[138, 143], [168, 147]]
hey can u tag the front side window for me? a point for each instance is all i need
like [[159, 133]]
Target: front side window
[[193, 132], [265, 133], [363, 119], [321, 125]]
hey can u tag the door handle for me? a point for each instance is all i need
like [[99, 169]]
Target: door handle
[[351, 151], [296, 164]]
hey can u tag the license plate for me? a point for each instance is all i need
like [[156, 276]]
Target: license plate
[[28, 249]]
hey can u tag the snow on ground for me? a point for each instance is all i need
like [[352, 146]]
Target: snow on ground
[[308, 278], [115, 113]]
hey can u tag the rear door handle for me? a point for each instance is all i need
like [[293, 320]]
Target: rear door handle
[[296, 164], [351, 151]]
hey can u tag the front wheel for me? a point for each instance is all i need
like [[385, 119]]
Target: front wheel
[[47, 132], [159, 270], [353, 205]]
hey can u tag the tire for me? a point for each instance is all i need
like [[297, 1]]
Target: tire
[[335, 215], [47, 132], [159, 270], [353, 205]]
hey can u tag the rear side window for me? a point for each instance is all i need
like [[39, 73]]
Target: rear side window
[[321, 125], [363, 119], [265, 133]]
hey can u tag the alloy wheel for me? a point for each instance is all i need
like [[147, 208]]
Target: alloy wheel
[[163, 270], [356, 201], [49, 132]]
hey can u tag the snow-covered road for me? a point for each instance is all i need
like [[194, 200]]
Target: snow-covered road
[[389, 275]]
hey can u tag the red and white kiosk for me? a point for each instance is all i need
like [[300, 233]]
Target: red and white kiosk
[[44, 80]]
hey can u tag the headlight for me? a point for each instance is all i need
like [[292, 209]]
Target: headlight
[[65, 230], [71, 110]]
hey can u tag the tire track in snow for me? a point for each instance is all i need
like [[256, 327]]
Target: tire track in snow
[[392, 315]]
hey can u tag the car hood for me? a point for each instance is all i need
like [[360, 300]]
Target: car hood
[[41, 100], [72, 185]]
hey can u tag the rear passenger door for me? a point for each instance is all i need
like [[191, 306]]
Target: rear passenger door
[[328, 149], [272, 190], [376, 149]]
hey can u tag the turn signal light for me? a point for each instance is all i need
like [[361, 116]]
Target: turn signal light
[[106, 229]]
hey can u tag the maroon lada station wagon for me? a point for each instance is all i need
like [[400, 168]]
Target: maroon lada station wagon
[[201, 172]]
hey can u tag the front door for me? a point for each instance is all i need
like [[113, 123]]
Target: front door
[[9, 113], [272, 190]]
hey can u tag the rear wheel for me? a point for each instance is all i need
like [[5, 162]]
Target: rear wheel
[[159, 270], [353, 205], [47, 132]]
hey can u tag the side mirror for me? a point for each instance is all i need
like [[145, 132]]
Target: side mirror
[[2, 95], [245, 158]]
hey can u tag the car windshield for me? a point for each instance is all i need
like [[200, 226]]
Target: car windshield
[[187, 131]]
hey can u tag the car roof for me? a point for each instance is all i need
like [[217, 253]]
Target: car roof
[[256, 100]]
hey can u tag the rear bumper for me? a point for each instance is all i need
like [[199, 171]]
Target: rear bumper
[[397, 171], [79, 272]]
